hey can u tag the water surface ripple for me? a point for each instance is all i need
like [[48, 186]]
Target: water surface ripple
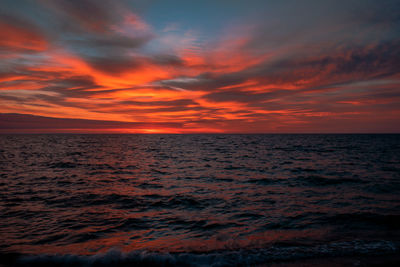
[[87, 194]]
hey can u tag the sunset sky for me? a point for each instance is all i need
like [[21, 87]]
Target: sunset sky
[[226, 66]]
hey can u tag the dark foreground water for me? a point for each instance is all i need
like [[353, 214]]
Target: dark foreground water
[[197, 199]]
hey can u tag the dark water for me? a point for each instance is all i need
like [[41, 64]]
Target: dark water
[[197, 199]]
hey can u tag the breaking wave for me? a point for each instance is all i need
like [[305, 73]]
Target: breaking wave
[[115, 257]]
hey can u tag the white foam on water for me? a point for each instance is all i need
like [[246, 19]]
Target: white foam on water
[[115, 257]]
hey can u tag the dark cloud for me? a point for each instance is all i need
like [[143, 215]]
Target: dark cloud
[[114, 65], [26, 122], [91, 15], [20, 35], [382, 59], [172, 103], [114, 42], [365, 62], [79, 82], [167, 60], [120, 63], [308, 72], [155, 111], [240, 96], [330, 22], [206, 81], [88, 28], [63, 83]]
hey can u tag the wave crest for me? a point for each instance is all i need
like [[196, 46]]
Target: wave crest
[[218, 258]]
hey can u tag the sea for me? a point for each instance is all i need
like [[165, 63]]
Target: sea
[[196, 200]]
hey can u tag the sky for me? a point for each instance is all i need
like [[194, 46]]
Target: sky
[[227, 66]]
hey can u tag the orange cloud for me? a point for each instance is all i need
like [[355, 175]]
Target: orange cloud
[[14, 37]]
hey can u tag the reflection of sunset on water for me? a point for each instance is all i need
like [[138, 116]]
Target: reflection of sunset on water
[[85, 194]]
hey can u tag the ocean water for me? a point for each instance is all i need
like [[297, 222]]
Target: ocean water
[[197, 200]]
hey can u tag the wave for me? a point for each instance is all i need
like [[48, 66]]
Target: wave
[[216, 258], [316, 180]]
